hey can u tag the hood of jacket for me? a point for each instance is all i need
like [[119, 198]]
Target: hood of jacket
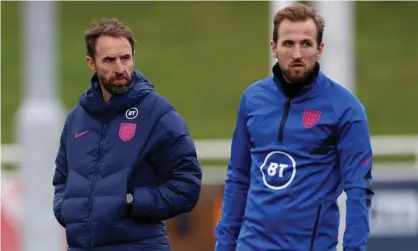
[[92, 99]]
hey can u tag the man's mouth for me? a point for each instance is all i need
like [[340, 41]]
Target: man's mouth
[[297, 65], [121, 81]]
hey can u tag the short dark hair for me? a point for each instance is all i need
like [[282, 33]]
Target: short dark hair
[[106, 27], [299, 12]]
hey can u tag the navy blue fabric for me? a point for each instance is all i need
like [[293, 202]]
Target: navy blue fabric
[[107, 152], [281, 190]]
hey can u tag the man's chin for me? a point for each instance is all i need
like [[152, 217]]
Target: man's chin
[[296, 78], [117, 89]]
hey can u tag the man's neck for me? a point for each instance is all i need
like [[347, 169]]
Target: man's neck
[[106, 95]]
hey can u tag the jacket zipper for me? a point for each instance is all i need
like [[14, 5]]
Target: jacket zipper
[[93, 185], [284, 119]]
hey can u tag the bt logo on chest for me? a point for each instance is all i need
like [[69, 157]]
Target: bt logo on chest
[[131, 113], [278, 170]]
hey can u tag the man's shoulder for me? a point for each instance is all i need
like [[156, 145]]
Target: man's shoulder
[[258, 87], [155, 101], [338, 94], [76, 109], [158, 111], [154, 106], [344, 103]]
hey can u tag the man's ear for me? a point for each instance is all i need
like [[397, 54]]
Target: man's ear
[[273, 46], [320, 49], [90, 63], [133, 56]]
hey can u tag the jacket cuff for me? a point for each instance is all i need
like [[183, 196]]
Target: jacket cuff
[[142, 202]]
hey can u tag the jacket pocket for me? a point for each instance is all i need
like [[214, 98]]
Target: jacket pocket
[[325, 230], [124, 232], [130, 183], [62, 221], [315, 227], [58, 212], [58, 201]]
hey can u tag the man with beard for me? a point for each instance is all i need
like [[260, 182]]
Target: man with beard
[[300, 140], [126, 161]]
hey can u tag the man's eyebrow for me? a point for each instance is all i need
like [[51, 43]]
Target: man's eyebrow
[[109, 57], [307, 40], [288, 40]]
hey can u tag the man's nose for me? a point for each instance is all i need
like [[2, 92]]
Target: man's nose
[[118, 66], [296, 53]]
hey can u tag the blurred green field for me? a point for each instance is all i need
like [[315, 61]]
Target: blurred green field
[[202, 55]]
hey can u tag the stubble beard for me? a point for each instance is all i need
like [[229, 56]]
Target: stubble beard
[[296, 78], [115, 89]]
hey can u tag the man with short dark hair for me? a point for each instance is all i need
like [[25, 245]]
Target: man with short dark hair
[[126, 161], [300, 140]]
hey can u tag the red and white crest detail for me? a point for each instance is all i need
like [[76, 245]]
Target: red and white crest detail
[[127, 131], [310, 117]]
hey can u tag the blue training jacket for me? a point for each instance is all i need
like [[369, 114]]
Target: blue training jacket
[[290, 161], [135, 144]]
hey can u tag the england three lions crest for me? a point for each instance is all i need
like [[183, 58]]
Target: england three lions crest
[[310, 118], [127, 131]]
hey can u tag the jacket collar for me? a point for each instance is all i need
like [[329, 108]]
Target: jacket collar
[[297, 89], [92, 99]]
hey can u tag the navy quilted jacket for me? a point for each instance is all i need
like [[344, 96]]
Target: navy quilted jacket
[[135, 144]]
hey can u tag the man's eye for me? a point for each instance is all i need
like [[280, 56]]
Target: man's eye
[[287, 43], [306, 44]]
